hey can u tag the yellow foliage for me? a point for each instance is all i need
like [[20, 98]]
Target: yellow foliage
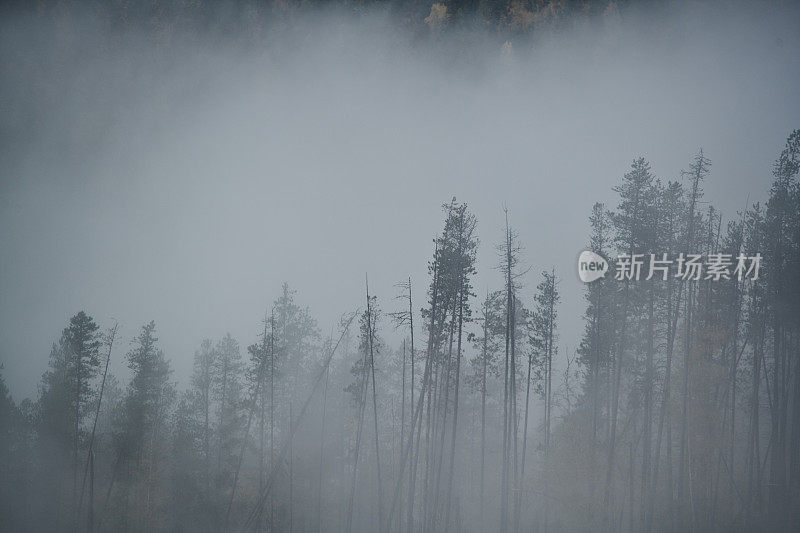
[[438, 16], [520, 17], [549, 14]]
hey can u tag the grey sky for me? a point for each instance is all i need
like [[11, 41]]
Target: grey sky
[[183, 182]]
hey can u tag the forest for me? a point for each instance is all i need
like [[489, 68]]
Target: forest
[[309, 266], [680, 411], [245, 19]]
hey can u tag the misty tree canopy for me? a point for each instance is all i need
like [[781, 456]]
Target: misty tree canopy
[[680, 409]]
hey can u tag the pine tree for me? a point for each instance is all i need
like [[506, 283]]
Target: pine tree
[[201, 399], [543, 338], [83, 361], [141, 426], [781, 254], [485, 365], [226, 389]]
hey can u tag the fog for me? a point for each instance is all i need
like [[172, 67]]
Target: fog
[[182, 175], [184, 181]]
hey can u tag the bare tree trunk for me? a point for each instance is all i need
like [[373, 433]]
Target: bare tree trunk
[[615, 401], [429, 446], [361, 408], [251, 411], [455, 410], [375, 410], [412, 474], [595, 399], [262, 415], [550, 353], [524, 441], [506, 386], [271, 405], [514, 418], [403, 403], [90, 456], [291, 468], [90, 520], [321, 451], [647, 418], [630, 487], [75, 509], [696, 176], [483, 409], [549, 384], [207, 431], [754, 455], [672, 326], [256, 514], [426, 379], [222, 419], [685, 397], [441, 406], [735, 356]]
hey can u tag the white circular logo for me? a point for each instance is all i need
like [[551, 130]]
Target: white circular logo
[[591, 266]]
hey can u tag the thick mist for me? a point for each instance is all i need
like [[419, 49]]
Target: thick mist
[[184, 180], [182, 171]]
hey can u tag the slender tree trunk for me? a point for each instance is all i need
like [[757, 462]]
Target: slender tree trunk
[[375, 410], [207, 431], [262, 416], [90, 456], [222, 408], [630, 487], [322, 451], [412, 473], [442, 404], [255, 516], [291, 468], [754, 459], [271, 405], [647, 419], [90, 520], [735, 355], [426, 482], [549, 383], [514, 418], [685, 396], [524, 441], [455, 409], [687, 343], [595, 397], [506, 386], [672, 326], [251, 411], [75, 510], [403, 404], [483, 409], [361, 408], [426, 378], [550, 352], [615, 401]]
